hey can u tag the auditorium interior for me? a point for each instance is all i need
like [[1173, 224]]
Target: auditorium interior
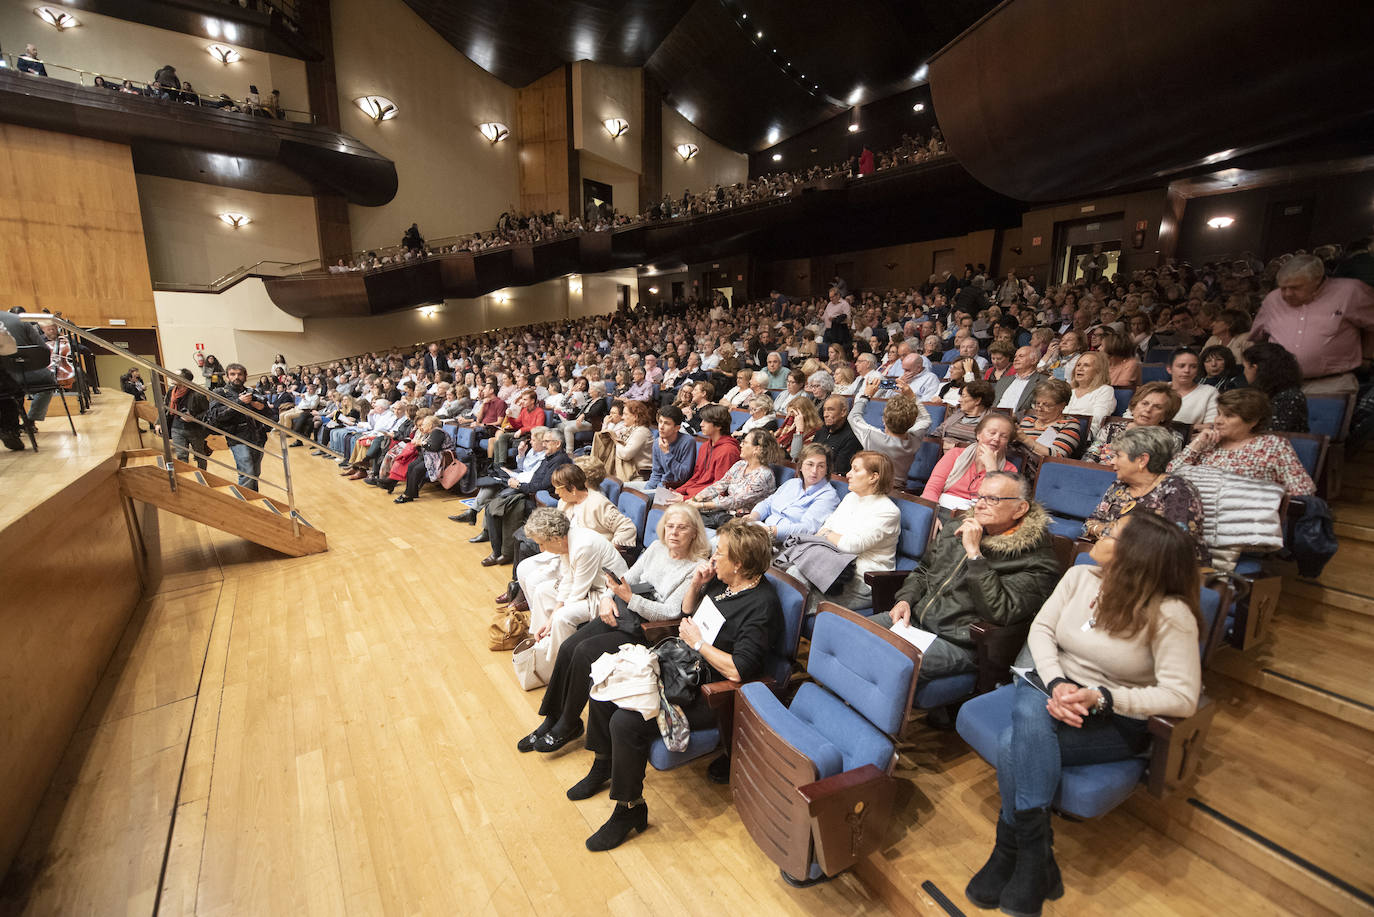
[[290, 675]]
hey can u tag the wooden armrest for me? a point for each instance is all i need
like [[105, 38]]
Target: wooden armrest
[[655, 631], [1177, 747], [851, 813], [720, 693], [995, 647], [885, 584]]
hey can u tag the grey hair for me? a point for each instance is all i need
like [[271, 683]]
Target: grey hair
[[1023, 484], [761, 403], [547, 523], [1157, 441], [597, 386], [1309, 266], [824, 380], [772, 353]]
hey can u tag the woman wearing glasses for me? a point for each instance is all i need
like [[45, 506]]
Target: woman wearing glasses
[[1141, 457]]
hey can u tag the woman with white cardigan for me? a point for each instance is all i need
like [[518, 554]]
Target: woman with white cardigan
[[1093, 394], [866, 524]]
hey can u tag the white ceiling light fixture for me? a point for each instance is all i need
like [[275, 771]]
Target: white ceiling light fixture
[[494, 131], [616, 127], [58, 19], [224, 54], [1220, 222], [378, 108], [687, 150], [919, 107], [235, 220], [853, 128], [777, 157], [653, 291]]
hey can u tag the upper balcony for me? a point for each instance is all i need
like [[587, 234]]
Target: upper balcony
[[186, 137]]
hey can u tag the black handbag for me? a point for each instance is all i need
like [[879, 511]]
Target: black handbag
[[681, 670]]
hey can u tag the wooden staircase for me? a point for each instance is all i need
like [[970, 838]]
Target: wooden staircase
[[204, 497]]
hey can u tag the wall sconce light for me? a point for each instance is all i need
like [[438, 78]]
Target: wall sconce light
[[501, 298], [653, 291], [224, 54], [853, 128], [687, 150], [919, 106], [58, 19], [378, 108], [1220, 222], [494, 131], [428, 311], [777, 157], [235, 219], [616, 127]]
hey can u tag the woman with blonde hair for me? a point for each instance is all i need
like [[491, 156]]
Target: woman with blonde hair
[[666, 566], [1093, 394]]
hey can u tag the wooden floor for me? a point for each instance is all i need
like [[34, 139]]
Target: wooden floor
[[330, 735]]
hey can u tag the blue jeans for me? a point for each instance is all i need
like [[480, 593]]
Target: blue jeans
[[248, 461], [1031, 754], [38, 406]]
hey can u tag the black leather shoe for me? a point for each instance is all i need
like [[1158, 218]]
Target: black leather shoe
[[470, 517], [618, 827], [550, 743], [594, 782], [528, 742], [718, 771], [12, 440], [480, 538], [403, 498], [372, 480]]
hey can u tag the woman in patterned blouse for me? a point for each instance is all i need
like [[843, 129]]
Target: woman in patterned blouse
[[1273, 370], [1141, 457], [1237, 443], [1045, 430], [746, 483], [1154, 404]]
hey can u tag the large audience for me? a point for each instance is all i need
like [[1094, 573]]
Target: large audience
[[774, 435]]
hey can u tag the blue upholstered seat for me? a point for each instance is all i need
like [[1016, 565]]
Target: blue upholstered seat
[[634, 505], [1086, 791], [1070, 491], [1123, 400], [611, 487], [546, 499], [927, 457], [651, 526], [873, 413], [1326, 414], [937, 414], [737, 419], [1153, 372]]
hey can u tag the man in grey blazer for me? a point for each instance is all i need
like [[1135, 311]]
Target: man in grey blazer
[[1014, 390]]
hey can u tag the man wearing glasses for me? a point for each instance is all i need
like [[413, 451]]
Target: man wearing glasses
[[996, 564]]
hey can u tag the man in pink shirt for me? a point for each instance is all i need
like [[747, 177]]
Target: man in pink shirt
[[1327, 323]]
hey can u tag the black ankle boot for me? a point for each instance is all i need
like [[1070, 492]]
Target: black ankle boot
[[985, 888], [596, 778], [1031, 880], [623, 820]]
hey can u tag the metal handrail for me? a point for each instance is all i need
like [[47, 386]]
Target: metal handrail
[[225, 281], [160, 374]]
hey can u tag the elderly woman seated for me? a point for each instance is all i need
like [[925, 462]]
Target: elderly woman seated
[[1114, 645], [735, 584], [1237, 443], [1045, 431], [559, 605], [1141, 456], [666, 565], [1154, 404], [760, 417], [747, 482], [627, 452], [975, 400], [955, 480], [802, 504]]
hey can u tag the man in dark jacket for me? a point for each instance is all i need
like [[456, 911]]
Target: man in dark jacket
[[507, 511], [837, 435], [242, 425], [997, 565], [23, 334]]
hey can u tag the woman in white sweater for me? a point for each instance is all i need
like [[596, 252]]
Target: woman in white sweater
[[1093, 394], [1114, 645], [865, 524]]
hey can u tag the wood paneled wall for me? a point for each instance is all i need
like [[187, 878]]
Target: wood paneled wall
[[544, 137], [73, 235], [75, 582]]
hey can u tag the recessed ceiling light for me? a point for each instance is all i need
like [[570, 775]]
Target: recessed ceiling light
[[758, 34], [744, 15]]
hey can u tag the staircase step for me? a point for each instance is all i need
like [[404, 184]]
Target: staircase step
[[269, 504], [140, 461], [232, 490]]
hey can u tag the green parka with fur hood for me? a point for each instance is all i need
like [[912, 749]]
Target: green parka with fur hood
[[1007, 585]]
